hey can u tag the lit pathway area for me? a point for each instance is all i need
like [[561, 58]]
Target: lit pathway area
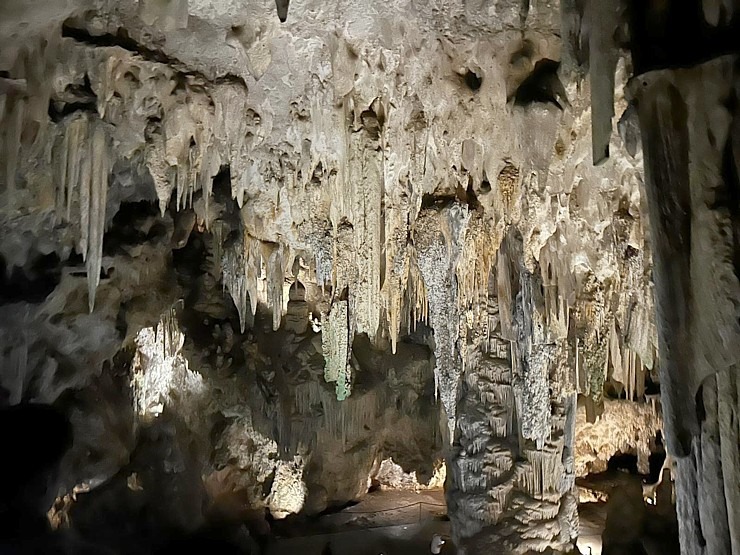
[[592, 519], [387, 522], [395, 522]]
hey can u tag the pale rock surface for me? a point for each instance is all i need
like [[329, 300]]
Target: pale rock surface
[[623, 428], [391, 476]]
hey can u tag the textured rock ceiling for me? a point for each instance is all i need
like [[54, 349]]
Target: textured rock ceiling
[[364, 209]]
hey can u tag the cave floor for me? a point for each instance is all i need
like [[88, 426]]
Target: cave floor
[[391, 522], [387, 522]]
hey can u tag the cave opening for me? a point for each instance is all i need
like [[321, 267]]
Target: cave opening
[[472, 80]]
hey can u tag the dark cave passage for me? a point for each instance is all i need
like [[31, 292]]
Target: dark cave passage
[[622, 509]]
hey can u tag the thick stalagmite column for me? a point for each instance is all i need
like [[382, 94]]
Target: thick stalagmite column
[[510, 478], [690, 124]]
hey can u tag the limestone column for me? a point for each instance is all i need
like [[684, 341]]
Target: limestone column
[[689, 113]]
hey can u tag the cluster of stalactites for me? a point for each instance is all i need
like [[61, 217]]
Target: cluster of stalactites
[[80, 158], [615, 337], [24, 105], [84, 159], [253, 273], [421, 286], [189, 133]]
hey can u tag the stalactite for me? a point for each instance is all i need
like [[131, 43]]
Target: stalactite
[[254, 273], [531, 377], [364, 183], [79, 171], [398, 269], [235, 281], [275, 280], [85, 167], [14, 362], [439, 237], [335, 343], [415, 301], [323, 259], [604, 19], [94, 213], [11, 145]]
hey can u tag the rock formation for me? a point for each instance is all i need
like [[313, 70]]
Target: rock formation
[[257, 249], [686, 100]]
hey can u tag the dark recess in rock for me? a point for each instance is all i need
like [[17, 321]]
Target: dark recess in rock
[[133, 224], [473, 80], [676, 34], [122, 39], [282, 9], [542, 85], [31, 284], [629, 130]]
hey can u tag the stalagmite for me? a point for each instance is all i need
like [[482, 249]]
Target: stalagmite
[[288, 491], [161, 377], [527, 485]]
